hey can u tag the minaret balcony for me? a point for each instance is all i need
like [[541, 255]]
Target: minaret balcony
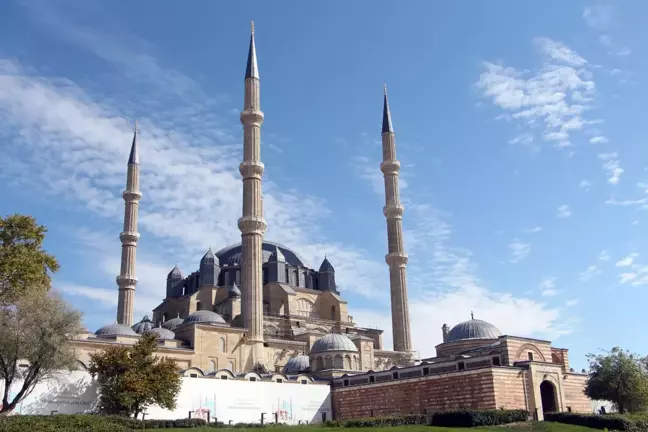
[[251, 169], [396, 259], [252, 117], [126, 281], [390, 167], [252, 225], [132, 195], [393, 211], [129, 238]]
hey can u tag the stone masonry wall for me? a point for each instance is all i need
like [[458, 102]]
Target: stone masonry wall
[[468, 389], [510, 389], [573, 385]]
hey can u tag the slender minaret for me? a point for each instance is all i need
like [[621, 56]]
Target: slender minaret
[[251, 223], [396, 257], [129, 237]]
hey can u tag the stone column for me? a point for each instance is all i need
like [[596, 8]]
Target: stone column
[[252, 224], [126, 281], [396, 257]]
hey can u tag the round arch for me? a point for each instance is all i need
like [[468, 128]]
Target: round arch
[[548, 396], [529, 347]]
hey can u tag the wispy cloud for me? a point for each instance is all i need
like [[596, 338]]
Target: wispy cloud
[[604, 256], [548, 287], [535, 229], [563, 211], [585, 184], [553, 99], [519, 251], [599, 18], [612, 166], [626, 261], [589, 273]]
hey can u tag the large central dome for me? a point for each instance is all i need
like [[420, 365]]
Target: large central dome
[[231, 255], [473, 329]]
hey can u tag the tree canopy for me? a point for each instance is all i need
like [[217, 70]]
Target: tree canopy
[[620, 377], [24, 266], [34, 336], [132, 378]]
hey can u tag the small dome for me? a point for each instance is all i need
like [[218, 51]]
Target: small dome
[[473, 329], [277, 256], [297, 364], [175, 273], [204, 316], [173, 323], [234, 291], [208, 258], [326, 266], [162, 333], [143, 326], [115, 330], [333, 342]]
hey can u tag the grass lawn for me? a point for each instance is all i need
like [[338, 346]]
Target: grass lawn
[[526, 427]]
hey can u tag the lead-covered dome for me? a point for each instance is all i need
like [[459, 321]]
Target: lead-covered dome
[[297, 364], [143, 326], [231, 255], [162, 333], [333, 342], [173, 323], [473, 329], [115, 330], [204, 316]]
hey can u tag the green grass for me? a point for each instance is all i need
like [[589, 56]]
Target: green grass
[[526, 427]]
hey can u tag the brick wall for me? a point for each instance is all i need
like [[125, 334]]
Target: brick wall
[[469, 389], [510, 389], [573, 387]]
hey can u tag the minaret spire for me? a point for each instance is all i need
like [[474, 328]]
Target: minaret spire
[[126, 281], [251, 223], [396, 257]]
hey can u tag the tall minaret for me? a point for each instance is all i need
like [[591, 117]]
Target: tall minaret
[[396, 257], [129, 237], [252, 224]]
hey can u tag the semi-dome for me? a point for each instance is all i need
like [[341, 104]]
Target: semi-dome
[[473, 329], [333, 342], [175, 273], [162, 333], [204, 316], [115, 330], [297, 364], [173, 323], [143, 326], [231, 255]]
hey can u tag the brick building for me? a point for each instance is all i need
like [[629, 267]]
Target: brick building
[[476, 367]]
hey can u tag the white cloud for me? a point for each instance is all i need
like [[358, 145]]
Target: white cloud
[[536, 229], [563, 211], [598, 140], [519, 250], [604, 256], [585, 184], [572, 302], [598, 17], [612, 167], [626, 261], [554, 98], [589, 273], [548, 287]]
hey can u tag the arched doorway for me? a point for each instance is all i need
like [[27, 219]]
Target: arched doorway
[[548, 396]]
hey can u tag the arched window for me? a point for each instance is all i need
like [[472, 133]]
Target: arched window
[[333, 315], [347, 362], [329, 362], [164, 317], [212, 366], [223, 345], [226, 279], [238, 277], [305, 308], [313, 365], [338, 362], [355, 363], [230, 366], [184, 290], [320, 363], [198, 305]]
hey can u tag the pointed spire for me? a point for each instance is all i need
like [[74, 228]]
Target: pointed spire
[[134, 153], [387, 123], [472, 315], [252, 69]]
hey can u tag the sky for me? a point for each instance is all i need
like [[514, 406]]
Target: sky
[[520, 127]]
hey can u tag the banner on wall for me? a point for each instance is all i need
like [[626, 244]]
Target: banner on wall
[[225, 400]]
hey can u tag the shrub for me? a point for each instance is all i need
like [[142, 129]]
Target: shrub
[[414, 419], [466, 418], [59, 423], [619, 422]]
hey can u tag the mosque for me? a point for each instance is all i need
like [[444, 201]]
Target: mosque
[[256, 305]]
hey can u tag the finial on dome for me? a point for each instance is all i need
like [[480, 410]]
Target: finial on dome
[[252, 26], [133, 159], [472, 315], [385, 88]]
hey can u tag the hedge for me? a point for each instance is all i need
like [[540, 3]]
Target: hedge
[[414, 419], [466, 418], [619, 422], [91, 423]]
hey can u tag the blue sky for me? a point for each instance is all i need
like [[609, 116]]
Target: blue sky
[[519, 125]]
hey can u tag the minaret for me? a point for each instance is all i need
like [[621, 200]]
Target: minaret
[[129, 237], [396, 257], [252, 224]]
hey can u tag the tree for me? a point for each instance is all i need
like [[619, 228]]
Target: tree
[[34, 336], [620, 377], [260, 368], [24, 266], [132, 378]]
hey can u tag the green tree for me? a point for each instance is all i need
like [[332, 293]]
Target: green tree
[[24, 266], [620, 377], [34, 336], [132, 378]]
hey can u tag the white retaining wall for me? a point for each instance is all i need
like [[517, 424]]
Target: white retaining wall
[[227, 400]]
